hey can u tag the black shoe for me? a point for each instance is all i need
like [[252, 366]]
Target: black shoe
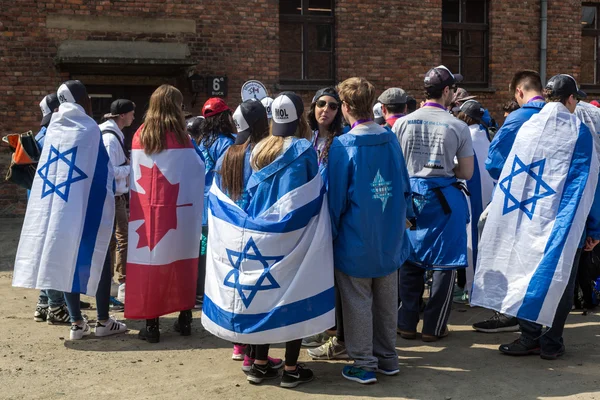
[[260, 372], [498, 323], [520, 348], [151, 332], [84, 305], [183, 325], [553, 356], [291, 379]]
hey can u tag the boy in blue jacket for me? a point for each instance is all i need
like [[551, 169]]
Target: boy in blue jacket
[[368, 196]]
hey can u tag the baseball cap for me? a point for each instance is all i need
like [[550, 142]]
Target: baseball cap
[[378, 114], [565, 85], [250, 116], [193, 124], [440, 77], [328, 91], [287, 110], [71, 92], [595, 103], [47, 105], [214, 106], [121, 106], [472, 108], [393, 96], [267, 102], [462, 95]]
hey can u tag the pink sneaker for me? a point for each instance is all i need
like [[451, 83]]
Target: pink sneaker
[[239, 352], [274, 363]]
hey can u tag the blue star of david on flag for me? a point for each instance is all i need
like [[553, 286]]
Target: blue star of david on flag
[[73, 175], [381, 189], [252, 253], [541, 190]]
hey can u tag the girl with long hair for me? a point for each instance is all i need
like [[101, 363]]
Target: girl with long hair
[[165, 192], [325, 120]]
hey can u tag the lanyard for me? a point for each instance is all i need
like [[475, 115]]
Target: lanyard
[[535, 98], [360, 121], [433, 104]]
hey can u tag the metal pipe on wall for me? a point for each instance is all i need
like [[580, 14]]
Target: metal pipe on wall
[[543, 39]]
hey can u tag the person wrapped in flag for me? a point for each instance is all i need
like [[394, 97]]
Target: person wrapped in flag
[[165, 221], [69, 218], [545, 210], [269, 276]]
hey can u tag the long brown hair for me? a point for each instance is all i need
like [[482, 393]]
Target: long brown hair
[[164, 115], [270, 147]]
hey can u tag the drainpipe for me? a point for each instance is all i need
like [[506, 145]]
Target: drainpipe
[[543, 39]]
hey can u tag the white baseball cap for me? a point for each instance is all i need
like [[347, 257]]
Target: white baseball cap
[[287, 109]]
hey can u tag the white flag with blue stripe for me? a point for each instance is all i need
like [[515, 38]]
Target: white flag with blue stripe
[[269, 279], [69, 218], [537, 217]]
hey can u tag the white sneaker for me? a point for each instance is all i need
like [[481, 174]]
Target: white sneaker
[[121, 293], [79, 331], [110, 327]]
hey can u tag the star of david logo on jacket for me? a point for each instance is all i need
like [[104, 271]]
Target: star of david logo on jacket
[[74, 174], [252, 253], [381, 189], [541, 190]]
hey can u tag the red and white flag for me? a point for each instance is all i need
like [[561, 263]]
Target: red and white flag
[[165, 227]]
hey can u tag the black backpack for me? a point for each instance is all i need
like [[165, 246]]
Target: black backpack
[[587, 295], [125, 151]]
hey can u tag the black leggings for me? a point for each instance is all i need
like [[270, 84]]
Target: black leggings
[[261, 352], [339, 317]]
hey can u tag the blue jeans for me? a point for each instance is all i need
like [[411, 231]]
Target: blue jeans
[[550, 340], [102, 296], [53, 298]]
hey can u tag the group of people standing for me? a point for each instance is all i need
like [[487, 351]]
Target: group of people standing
[[395, 202]]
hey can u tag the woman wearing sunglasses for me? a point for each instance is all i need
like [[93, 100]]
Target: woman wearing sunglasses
[[325, 120]]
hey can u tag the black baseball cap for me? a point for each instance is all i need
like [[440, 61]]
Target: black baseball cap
[[249, 117], [47, 105], [471, 108], [440, 77], [121, 106], [72, 92], [287, 109], [328, 91], [564, 85]]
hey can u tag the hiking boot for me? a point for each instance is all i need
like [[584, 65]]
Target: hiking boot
[[553, 356], [497, 323], [183, 325], [331, 350], [291, 379], [58, 316], [359, 375], [41, 313], [520, 348], [151, 333], [258, 373], [315, 340]]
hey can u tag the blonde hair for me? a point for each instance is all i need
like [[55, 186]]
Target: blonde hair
[[359, 96], [164, 116], [271, 146]]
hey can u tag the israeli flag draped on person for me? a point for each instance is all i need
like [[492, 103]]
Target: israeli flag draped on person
[[69, 217], [537, 217], [269, 277]]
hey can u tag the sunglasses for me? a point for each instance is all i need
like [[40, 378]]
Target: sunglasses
[[332, 104]]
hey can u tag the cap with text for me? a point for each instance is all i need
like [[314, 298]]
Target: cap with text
[[287, 109], [48, 104], [72, 92]]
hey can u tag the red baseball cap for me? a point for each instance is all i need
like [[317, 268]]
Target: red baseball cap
[[595, 103], [214, 106]]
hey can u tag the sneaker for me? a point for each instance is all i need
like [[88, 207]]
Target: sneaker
[[460, 296], [553, 356], [434, 338], [58, 316], [121, 293], [115, 304], [406, 334], [331, 350], [258, 373], [239, 352], [84, 305], [275, 363], [41, 313], [520, 348], [498, 323], [110, 327], [79, 331], [358, 375], [291, 379], [315, 340], [388, 372]]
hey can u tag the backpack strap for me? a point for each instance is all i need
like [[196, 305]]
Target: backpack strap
[[111, 132]]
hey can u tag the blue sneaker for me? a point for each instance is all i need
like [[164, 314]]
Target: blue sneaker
[[358, 375], [388, 372]]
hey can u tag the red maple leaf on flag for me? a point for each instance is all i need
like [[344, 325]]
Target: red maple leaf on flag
[[157, 206]]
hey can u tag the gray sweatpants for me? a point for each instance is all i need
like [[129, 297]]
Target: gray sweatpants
[[370, 318]]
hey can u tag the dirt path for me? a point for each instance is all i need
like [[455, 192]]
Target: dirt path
[[36, 362]]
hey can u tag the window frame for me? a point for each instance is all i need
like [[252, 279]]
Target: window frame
[[595, 33], [306, 20], [463, 28]]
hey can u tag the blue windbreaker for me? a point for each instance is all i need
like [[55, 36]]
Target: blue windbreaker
[[211, 155]]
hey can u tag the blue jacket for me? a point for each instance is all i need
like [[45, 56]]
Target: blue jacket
[[39, 138], [211, 155], [369, 192], [292, 169], [504, 139]]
